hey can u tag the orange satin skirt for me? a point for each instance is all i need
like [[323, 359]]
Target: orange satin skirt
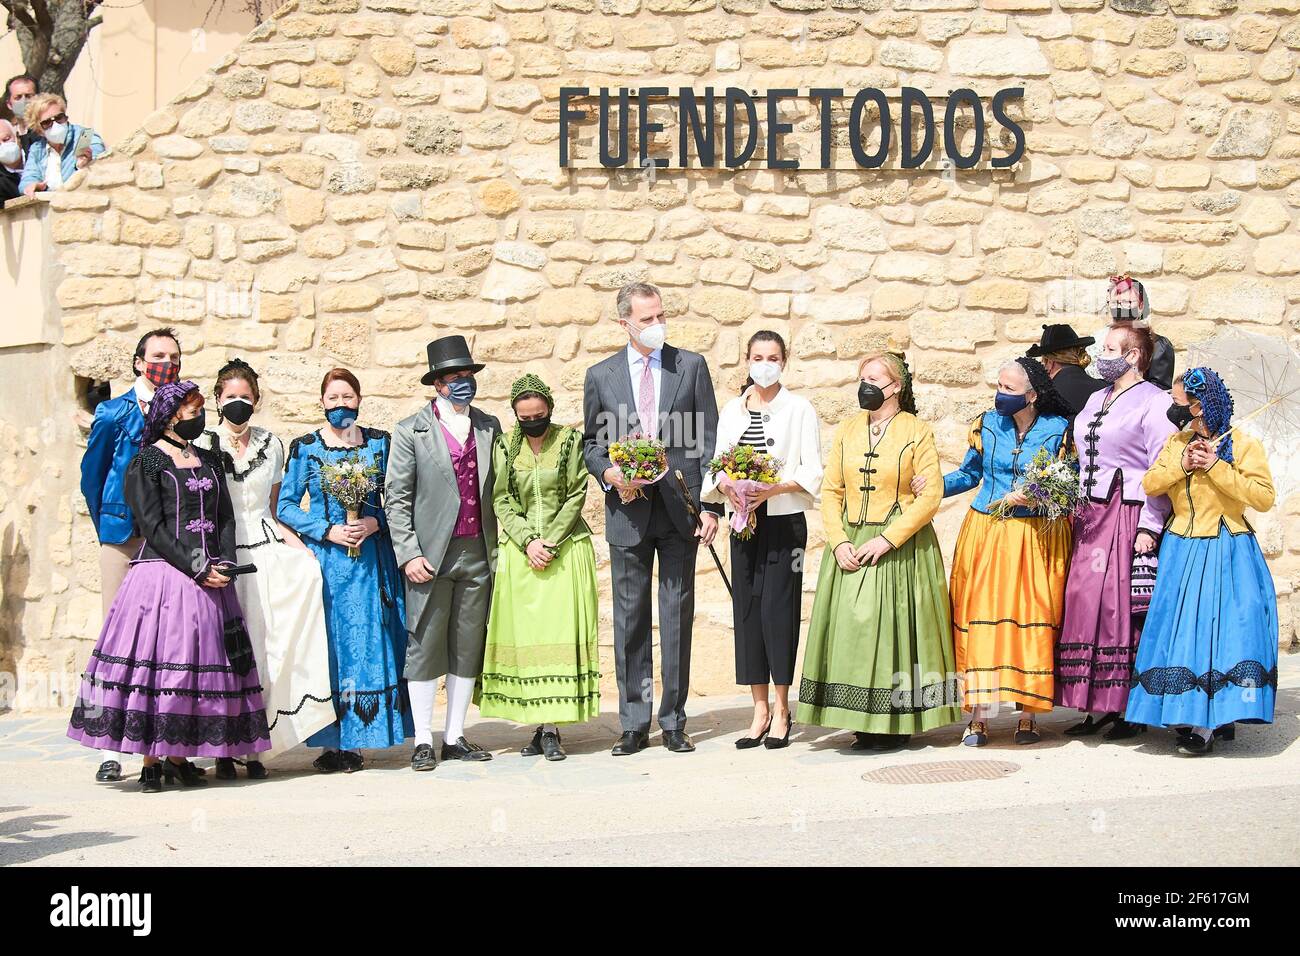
[[1008, 592]]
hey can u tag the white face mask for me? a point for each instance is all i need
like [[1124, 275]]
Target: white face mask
[[56, 134], [653, 336], [765, 373], [10, 153]]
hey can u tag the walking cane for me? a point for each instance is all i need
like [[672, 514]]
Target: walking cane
[[695, 516]]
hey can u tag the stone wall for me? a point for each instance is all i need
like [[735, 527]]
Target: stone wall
[[386, 171]]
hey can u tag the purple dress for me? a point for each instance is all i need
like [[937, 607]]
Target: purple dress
[[1118, 441], [172, 673]]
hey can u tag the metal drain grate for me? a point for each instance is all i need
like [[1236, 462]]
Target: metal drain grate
[[943, 771]]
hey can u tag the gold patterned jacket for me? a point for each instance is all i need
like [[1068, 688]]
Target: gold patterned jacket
[[1222, 493]]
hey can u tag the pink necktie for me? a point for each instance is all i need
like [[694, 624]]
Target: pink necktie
[[645, 405]]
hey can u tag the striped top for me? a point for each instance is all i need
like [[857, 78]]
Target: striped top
[[754, 435]]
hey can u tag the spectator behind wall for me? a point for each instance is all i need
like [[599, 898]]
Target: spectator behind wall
[[51, 161], [11, 162], [19, 91]]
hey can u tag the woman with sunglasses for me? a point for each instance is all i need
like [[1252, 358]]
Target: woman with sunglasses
[[51, 161]]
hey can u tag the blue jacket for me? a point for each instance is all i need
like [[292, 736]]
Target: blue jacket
[[114, 440], [994, 460], [34, 169]]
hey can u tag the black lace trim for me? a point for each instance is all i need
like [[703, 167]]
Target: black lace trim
[[307, 439], [879, 700], [1006, 690], [301, 704], [1103, 651], [151, 691], [163, 665], [228, 463], [1160, 681], [191, 730], [534, 701], [153, 461], [1005, 620], [366, 703]]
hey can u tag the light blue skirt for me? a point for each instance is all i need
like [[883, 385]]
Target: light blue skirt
[[1208, 652]]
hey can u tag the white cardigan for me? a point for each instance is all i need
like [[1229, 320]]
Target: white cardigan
[[794, 436]]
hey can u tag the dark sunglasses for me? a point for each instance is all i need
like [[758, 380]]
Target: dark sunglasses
[[45, 124]]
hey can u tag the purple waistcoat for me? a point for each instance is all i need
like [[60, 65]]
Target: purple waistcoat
[[464, 462]]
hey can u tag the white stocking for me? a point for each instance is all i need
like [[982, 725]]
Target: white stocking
[[459, 692], [422, 694]]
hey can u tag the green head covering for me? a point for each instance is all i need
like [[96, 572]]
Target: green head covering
[[531, 383]]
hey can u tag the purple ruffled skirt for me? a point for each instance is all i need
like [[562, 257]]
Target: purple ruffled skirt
[[159, 682]]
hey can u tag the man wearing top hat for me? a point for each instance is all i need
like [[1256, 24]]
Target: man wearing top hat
[[438, 499], [1063, 353]]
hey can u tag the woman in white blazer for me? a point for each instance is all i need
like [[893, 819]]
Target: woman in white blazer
[[767, 569]]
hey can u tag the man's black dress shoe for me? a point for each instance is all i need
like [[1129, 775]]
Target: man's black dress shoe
[[462, 749], [422, 758], [150, 778], [110, 771], [678, 742], [631, 742], [534, 747]]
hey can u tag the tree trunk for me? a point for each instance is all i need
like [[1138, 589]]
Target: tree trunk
[[51, 34]]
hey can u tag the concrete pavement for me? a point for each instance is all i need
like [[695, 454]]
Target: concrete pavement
[[1064, 801]]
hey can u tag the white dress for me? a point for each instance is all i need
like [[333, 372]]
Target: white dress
[[283, 600]]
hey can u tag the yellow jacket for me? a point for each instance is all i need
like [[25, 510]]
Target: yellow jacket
[[863, 485], [1202, 499]]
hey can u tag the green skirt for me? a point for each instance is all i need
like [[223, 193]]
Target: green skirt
[[541, 664], [879, 656]]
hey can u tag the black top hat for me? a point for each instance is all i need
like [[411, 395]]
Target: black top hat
[[449, 354], [1058, 338]]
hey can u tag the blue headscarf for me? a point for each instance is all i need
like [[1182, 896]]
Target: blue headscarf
[[1204, 385]]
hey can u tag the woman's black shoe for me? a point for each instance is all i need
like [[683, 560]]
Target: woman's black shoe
[[534, 747], [256, 770], [551, 748], [185, 772], [748, 743], [352, 762], [151, 779], [1226, 732], [776, 743], [891, 741], [1026, 731], [225, 768], [1090, 726], [328, 762], [110, 771], [1123, 730], [1194, 745]]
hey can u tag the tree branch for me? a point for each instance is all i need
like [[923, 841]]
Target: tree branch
[[19, 13], [43, 19]]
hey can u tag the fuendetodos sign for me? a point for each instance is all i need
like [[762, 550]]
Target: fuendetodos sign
[[697, 125]]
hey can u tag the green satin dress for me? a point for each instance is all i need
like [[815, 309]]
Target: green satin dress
[[542, 663]]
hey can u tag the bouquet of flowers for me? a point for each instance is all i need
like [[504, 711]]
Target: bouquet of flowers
[[1051, 484], [642, 460], [349, 481], [749, 469]]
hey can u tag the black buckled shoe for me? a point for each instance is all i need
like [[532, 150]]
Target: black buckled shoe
[[632, 741], [328, 762], [150, 778], [422, 758], [1026, 732], [977, 734], [462, 749], [256, 770], [534, 747], [110, 771], [225, 768], [677, 741], [551, 748]]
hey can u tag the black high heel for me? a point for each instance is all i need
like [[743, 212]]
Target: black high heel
[[747, 743], [1090, 726], [772, 743]]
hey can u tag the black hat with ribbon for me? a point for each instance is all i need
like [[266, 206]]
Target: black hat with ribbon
[[449, 354], [1058, 338]]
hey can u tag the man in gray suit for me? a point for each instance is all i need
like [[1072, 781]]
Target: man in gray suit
[[667, 393], [438, 498]]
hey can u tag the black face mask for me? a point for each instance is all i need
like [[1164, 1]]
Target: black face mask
[[1180, 415], [237, 411], [191, 428], [870, 397], [535, 428]]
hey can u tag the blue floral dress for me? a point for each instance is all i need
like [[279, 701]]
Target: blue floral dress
[[365, 613]]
